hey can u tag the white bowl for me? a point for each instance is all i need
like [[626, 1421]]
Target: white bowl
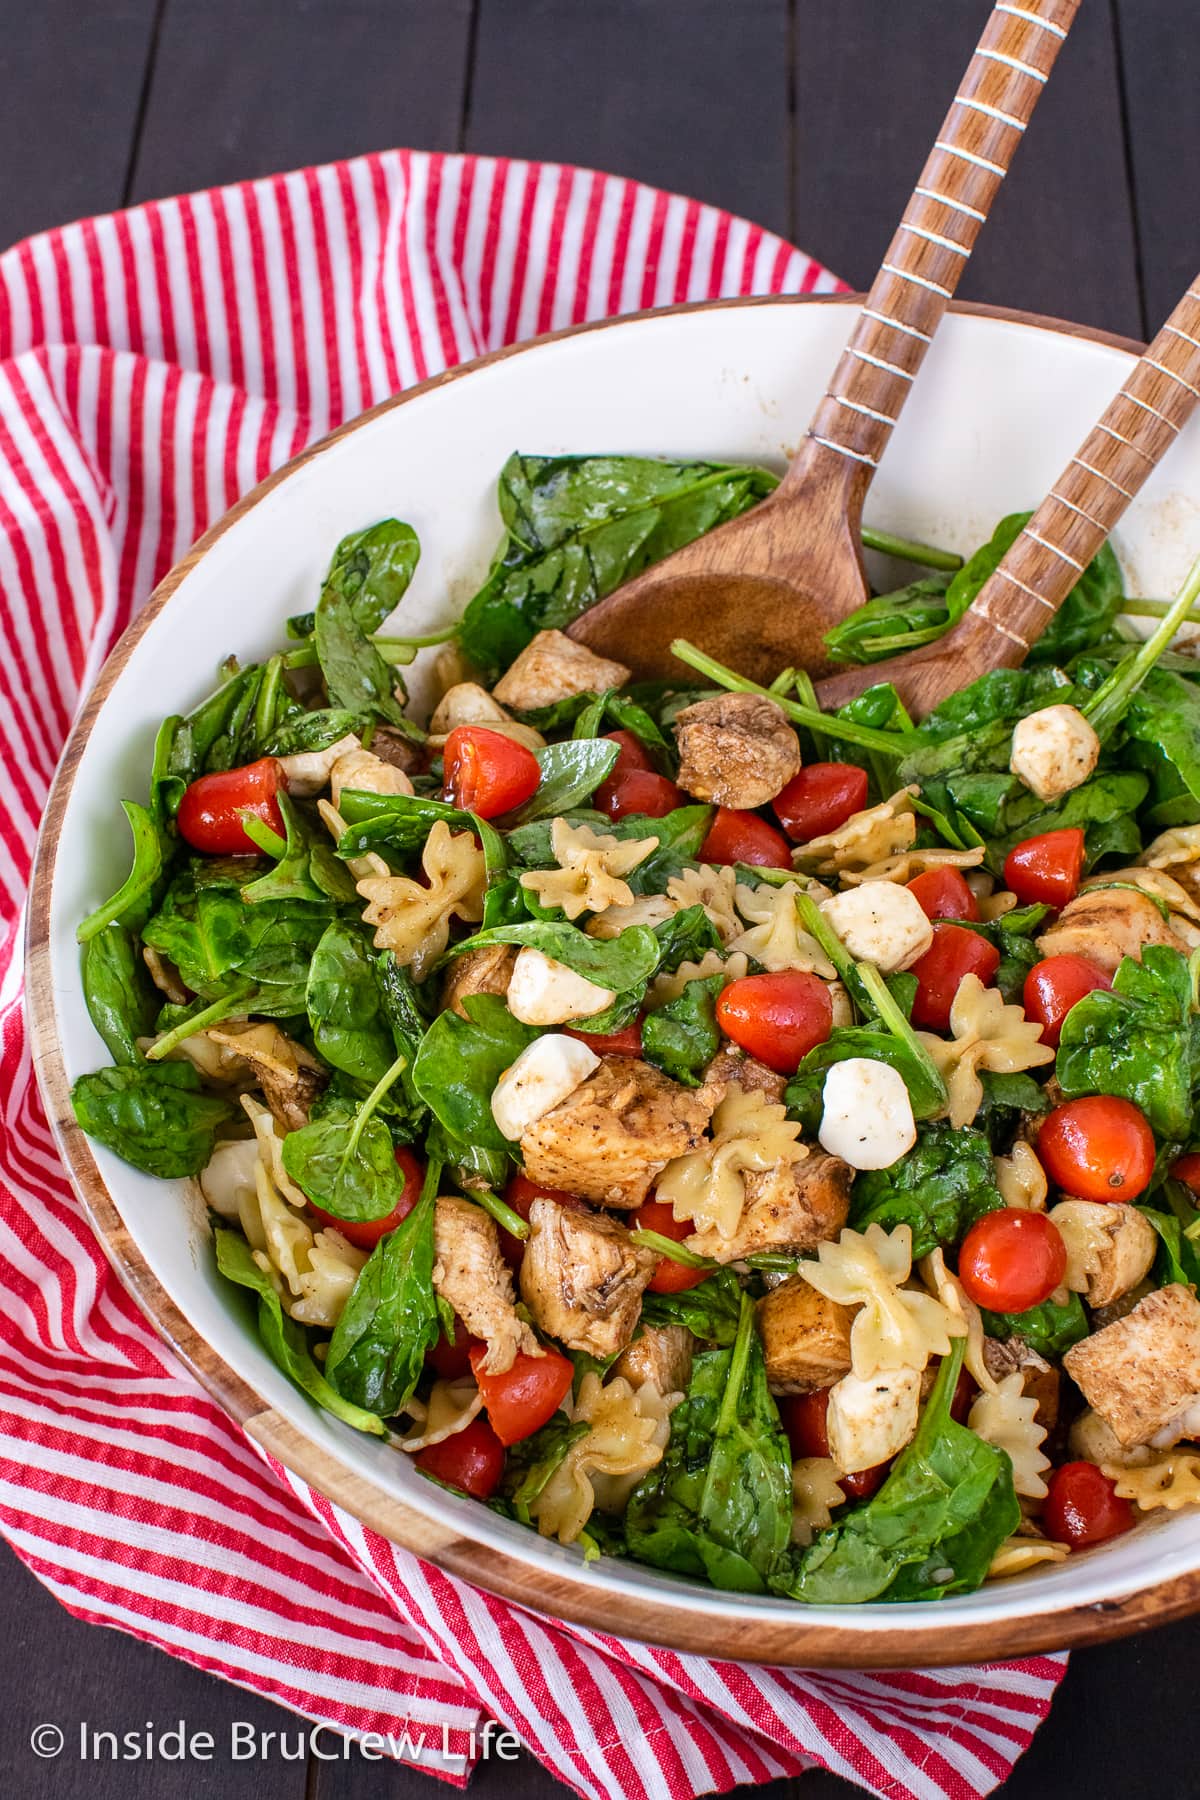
[[1001, 404]]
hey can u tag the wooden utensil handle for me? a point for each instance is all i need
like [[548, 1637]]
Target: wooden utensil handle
[[1019, 600], [933, 243]]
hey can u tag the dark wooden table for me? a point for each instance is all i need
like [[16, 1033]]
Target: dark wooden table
[[811, 116]]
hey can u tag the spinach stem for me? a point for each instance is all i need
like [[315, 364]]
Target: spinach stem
[[500, 1210], [665, 1246], [818, 926], [909, 550], [267, 701], [727, 1417], [1107, 705], [186, 1028], [260, 833], [892, 743], [371, 1102], [897, 1024]]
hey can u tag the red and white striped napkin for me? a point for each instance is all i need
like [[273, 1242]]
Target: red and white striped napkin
[[153, 366]]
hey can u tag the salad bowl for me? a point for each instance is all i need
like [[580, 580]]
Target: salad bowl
[[1002, 399]]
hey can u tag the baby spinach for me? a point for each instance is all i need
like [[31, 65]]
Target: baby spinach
[[345, 1008], [618, 963], [371, 571], [685, 937], [461, 1060], [1140, 1041], [1109, 800], [356, 674], [805, 1090], [400, 824], [889, 624], [292, 877], [1162, 737], [682, 1037], [315, 731], [391, 1319], [128, 903], [154, 1115], [1050, 1328], [344, 1158], [530, 1463], [1177, 1258], [945, 1183], [570, 773], [121, 999], [711, 1311], [214, 938], [1007, 1100]]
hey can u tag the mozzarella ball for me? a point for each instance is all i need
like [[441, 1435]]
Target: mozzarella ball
[[542, 991], [867, 1118], [870, 1420], [881, 923], [543, 1075], [1053, 751]]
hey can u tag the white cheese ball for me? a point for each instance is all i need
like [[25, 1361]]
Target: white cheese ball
[[867, 1118], [543, 1075], [881, 923], [543, 991], [1053, 751], [870, 1420]]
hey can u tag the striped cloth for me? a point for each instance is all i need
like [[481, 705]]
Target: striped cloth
[[153, 366]]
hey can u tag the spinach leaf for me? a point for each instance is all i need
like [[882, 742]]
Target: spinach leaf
[[1050, 1328], [945, 1183], [1177, 1258], [585, 715], [1138, 1041], [461, 1060], [1013, 936], [291, 877], [804, 1092], [153, 1115], [1162, 732], [400, 823], [121, 999], [206, 929], [345, 1008], [1109, 799], [618, 963], [391, 1319], [933, 1527], [531, 1462], [283, 1338], [570, 773], [315, 731], [684, 937], [682, 1037], [1000, 697], [344, 1158], [1007, 1099], [371, 570], [127, 905], [889, 624], [711, 1310]]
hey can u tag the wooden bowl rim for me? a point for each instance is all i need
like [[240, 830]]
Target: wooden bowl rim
[[576, 1598]]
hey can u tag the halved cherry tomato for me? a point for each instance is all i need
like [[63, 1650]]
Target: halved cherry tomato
[[1097, 1148], [820, 799], [954, 952], [1011, 1260], [777, 1018], [669, 1277], [638, 791], [1054, 985], [743, 837], [366, 1233], [942, 893], [209, 817], [520, 1400], [803, 1417], [520, 1195], [1082, 1507], [1187, 1170], [471, 1461], [451, 1361], [487, 773], [1046, 868], [626, 1042]]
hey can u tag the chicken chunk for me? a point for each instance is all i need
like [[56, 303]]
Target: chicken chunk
[[553, 667], [289, 1075], [1053, 751], [391, 746], [736, 750], [805, 1337], [1142, 1374], [609, 1138], [582, 1277], [472, 1276], [731, 1064], [661, 1354], [1040, 1380], [483, 971], [1109, 1248], [469, 704], [793, 1207], [367, 773], [1106, 924]]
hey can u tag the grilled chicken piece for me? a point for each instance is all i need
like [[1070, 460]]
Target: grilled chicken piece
[[661, 1354], [483, 971], [1105, 924], [1039, 1379], [805, 1337], [1142, 1374], [469, 704], [472, 1276], [582, 1277], [367, 773], [732, 1064], [391, 746], [289, 1075], [619, 1129], [736, 750], [792, 1207], [553, 667]]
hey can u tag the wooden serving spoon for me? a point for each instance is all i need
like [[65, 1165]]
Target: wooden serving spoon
[[1042, 565], [761, 591]]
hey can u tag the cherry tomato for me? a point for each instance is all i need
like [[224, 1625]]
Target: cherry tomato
[[1054, 985], [471, 1461], [451, 1361], [819, 799], [1011, 1260], [520, 1195], [943, 893], [804, 1418], [669, 1277], [209, 817], [743, 837], [1187, 1170], [1082, 1507], [626, 1042], [1046, 868], [954, 952], [366, 1233], [638, 791], [777, 1018], [520, 1400], [1097, 1148], [488, 773], [631, 754]]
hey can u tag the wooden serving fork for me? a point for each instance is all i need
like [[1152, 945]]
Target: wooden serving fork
[[761, 591]]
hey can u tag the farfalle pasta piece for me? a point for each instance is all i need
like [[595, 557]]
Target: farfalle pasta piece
[[1021, 1178], [987, 1034], [412, 919], [669, 987], [749, 1133], [815, 1493], [1016, 1554], [1006, 1418], [650, 909], [895, 1327], [950, 1291], [1081, 1226], [1168, 1483], [906, 864], [715, 889], [590, 867], [369, 863], [451, 1407], [868, 837], [774, 936], [628, 1433]]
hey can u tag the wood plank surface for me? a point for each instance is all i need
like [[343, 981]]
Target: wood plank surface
[[1158, 46]]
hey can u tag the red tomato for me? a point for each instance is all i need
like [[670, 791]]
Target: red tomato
[[366, 1233], [954, 952], [520, 1195], [1011, 1260], [819, 799], [1187, 1170], [1046, 868], [1054, 985], [626, 1042], [803, 1417], [743, 837], [777, 1018], [210, 812], [451, 1361], [1082, 1507], [1098, 1148], [943, 894], [520, 1400], [630, 754], [669, 1277], [638, 791], [488, 773], [471, 1461]]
